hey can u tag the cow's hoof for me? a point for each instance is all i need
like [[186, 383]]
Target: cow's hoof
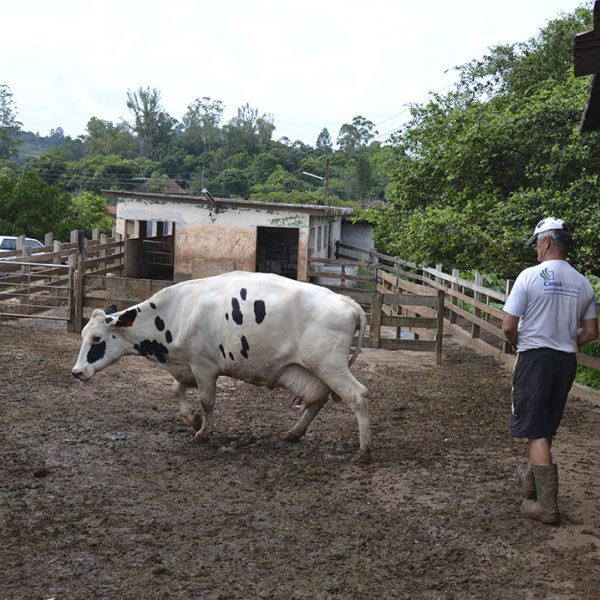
[[196, 422], [200, 438], [362, 456], [290, 437]]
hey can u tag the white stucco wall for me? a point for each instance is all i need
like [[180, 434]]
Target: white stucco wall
[[210, 241]]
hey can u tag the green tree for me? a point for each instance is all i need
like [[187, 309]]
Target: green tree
[[201, 125], [86, 211], [355, 134], [324, 144], [154, 127], [30, 206], [9, 126], [494, 155], [248, 132], [105, 138]]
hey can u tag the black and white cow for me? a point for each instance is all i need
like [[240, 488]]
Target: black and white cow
[[261, 328]]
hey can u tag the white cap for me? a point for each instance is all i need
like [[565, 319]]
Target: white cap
[[547, 224]]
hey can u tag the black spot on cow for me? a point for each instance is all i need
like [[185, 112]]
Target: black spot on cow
[[231, 356], [160, 324], [227, 316], [152, 305], [168, 336], [108, 320], [260, 311], [236, 313], [152, 348], [96, 352], [139, 309], [127, 318], [245, 347], [243, 293], [222, 350]]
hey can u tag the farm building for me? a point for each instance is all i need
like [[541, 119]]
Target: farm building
[[177, 236]]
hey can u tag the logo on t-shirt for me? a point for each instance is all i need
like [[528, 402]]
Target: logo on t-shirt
[[547, 274]]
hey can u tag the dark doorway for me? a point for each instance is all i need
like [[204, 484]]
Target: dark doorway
[[277, 251], [158, 252]]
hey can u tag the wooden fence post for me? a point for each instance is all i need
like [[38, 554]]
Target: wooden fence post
[[454, 287], [440, 327], [475, 329], [78, 281], [506, 347], [375, 323]]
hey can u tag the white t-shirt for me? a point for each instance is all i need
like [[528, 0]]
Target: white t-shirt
[[550, 299]]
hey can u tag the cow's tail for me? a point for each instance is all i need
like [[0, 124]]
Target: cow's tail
[[361, 325]]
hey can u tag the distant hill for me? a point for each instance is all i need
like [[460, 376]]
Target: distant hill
[[33, 145]]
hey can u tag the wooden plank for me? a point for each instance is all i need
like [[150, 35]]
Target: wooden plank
[[345, 276], [105, 301], [586, 54], [398, 344], [409, 299], [92, 262], [492, 310], [496, 331], [501, 296], [593, 362], [400, 321], [333, 261]]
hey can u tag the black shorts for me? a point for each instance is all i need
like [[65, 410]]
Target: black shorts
[[541, 381]]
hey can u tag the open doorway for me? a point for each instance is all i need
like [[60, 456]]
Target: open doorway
[[158, 249], [277, 251]]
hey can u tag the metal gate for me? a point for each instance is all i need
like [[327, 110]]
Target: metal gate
[[31, 289]]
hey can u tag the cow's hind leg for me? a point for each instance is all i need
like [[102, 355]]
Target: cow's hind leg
[[185, 408], [207, 387], [299, 429], [354, 394]]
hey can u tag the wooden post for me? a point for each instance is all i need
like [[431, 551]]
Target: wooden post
[[506, 347], [440, 327], [475, 329], [78, 282], [453, 300], [375, 323]]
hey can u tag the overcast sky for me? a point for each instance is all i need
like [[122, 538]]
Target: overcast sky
[[310, 64]]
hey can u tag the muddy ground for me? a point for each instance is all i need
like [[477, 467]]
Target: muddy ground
[[102, 494]]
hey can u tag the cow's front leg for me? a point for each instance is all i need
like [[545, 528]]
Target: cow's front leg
[[185, 408], [207, 390]]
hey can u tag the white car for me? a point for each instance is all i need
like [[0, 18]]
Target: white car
[[9, 242]]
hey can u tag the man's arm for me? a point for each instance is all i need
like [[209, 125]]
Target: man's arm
[[588, 332], [510, 327]]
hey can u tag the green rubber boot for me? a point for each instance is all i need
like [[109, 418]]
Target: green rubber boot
[[545, 508], [525, 481]]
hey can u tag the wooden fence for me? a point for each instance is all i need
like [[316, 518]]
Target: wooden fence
[[472, 311], [400, 314], [48, 282]]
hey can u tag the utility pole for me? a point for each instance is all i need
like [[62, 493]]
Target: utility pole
[[325, 180]]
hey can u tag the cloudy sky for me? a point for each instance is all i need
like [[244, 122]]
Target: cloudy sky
[[310, 64]]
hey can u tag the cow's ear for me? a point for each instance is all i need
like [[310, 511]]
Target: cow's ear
[[111, 309], [127, 318]]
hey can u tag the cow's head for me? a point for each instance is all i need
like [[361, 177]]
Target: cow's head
[[102, 341]]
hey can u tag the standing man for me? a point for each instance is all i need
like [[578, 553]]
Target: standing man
[[550, 314]]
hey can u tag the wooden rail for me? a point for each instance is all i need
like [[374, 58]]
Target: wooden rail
[[402, 315], [472, 311]]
